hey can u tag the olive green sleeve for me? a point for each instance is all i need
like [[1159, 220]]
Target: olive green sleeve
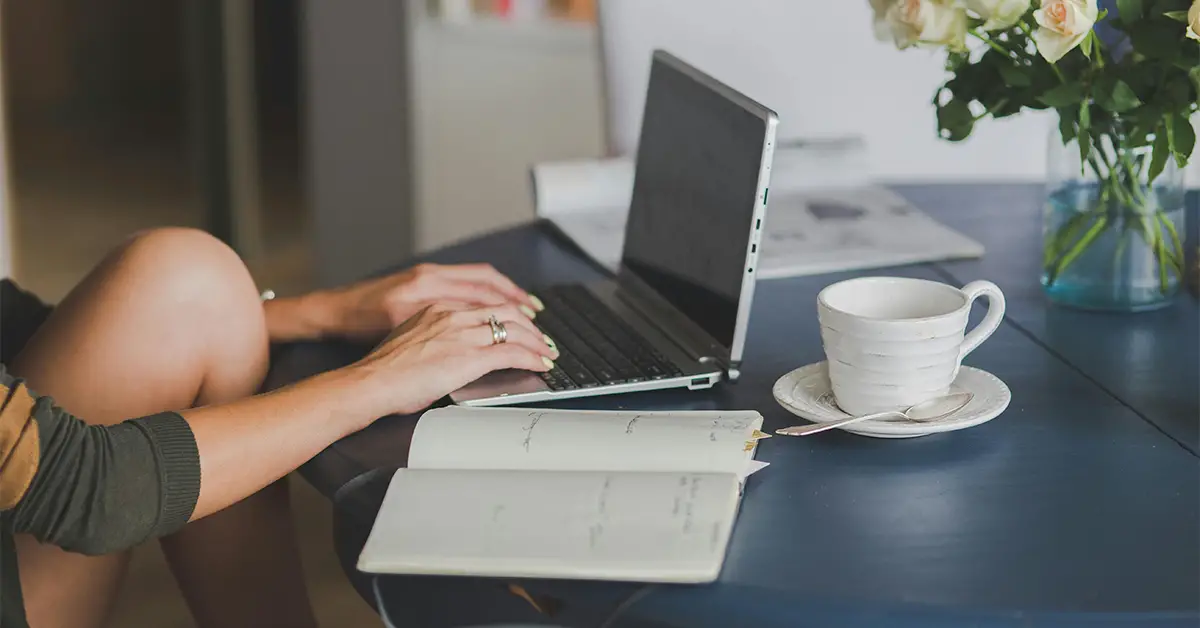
[[93, 489]]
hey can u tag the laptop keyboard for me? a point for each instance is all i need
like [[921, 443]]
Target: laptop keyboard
[[596, 347]]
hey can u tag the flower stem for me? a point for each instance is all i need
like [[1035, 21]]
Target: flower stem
[[1178, 247], [992, 43], [1082, 244], [1123, 201]]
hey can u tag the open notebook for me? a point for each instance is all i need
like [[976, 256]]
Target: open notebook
[[515, 492]]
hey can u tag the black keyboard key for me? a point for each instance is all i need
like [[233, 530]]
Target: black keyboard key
[[576, 371], [553, 382], [654, 371], [597, 347], [557, 380]]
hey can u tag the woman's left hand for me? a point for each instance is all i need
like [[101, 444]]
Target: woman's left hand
[[369, 310]]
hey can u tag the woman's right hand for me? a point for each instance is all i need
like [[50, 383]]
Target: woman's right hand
[[440, 350]]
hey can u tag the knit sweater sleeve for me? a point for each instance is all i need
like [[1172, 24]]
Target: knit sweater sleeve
[[92, 489]]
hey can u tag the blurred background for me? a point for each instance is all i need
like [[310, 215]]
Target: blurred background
[[325, 140]]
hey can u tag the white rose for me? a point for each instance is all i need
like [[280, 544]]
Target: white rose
[[1000, 14], [1193, 30], [1063, 26], [911, 22]]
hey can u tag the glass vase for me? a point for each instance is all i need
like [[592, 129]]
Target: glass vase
[[1111, 240]]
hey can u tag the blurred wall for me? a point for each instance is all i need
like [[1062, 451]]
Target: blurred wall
[[96, 68], [6, 252], [818, 64], [489, 101]]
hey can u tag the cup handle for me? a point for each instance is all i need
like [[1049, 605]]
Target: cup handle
[[990, 322]]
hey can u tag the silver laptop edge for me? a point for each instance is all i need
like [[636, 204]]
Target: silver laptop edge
[[703, 359]]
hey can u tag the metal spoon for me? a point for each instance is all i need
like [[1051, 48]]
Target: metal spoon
[[929, 410]]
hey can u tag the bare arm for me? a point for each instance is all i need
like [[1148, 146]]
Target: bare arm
[[309, 317], [370, 309], [248, 444], [99, 489]]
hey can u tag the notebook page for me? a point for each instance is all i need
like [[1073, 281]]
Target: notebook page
[[665, 527], [566, 440]]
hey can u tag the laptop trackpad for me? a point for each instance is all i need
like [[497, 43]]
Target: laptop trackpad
[[510, 382]]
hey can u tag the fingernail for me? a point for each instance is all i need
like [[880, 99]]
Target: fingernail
[[550, 342], [537, 303], [527, 311], [548, 362]]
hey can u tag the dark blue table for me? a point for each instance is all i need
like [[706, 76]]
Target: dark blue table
[[1080, 505]]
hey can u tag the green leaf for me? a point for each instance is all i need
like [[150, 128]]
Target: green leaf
[[1158, 160], [1183, 140], [1157, 39], [1013, 76], [1116, 96], [1178, 16], [1066, 124], [1085, 146], [1063, 96], [1129, 10], [1085, 118], [1146, 119], [1194, 74], [955, 120], [1178, 92], [1085, 46]]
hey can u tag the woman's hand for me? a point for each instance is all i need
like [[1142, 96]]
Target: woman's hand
[[249, 443], [370, 309], [441, 349]]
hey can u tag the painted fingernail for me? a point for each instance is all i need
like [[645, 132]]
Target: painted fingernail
[[527, 311], [550, 342], [537, 303], [548, 362]]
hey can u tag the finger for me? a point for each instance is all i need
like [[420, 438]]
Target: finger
[[508, 314], [472, 292], [441, 289], [511, 356], [535, 342], [452, 306], [497, 281]]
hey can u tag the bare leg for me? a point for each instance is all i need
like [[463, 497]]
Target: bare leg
[[170, 320]]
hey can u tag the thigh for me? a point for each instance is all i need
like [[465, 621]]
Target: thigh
[[157, 325], [162, 321]]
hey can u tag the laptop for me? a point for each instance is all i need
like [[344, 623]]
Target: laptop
[[675, 315]]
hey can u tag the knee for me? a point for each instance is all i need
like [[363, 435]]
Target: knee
[[187, 266], [192, 277]]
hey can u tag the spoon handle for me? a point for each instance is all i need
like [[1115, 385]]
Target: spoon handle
[[805, 430]]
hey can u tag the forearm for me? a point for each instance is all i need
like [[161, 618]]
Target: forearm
[[308, 317], [99, 489], [246, 445]]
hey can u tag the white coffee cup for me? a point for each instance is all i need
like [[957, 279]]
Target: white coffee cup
[[892, 342]]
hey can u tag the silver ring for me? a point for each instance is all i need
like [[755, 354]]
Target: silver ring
[[499, 331]]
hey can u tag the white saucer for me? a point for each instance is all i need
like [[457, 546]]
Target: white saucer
[[806, 393]]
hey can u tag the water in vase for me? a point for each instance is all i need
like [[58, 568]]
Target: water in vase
[[1108, 256]]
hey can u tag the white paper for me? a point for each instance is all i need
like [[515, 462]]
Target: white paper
[[579, 440], [824, 231], [823, 215], [647, 527]]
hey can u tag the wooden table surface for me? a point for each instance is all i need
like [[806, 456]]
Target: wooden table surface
[[1081, 503]]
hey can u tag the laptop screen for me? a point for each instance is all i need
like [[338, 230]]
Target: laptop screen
[[694, 193]]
